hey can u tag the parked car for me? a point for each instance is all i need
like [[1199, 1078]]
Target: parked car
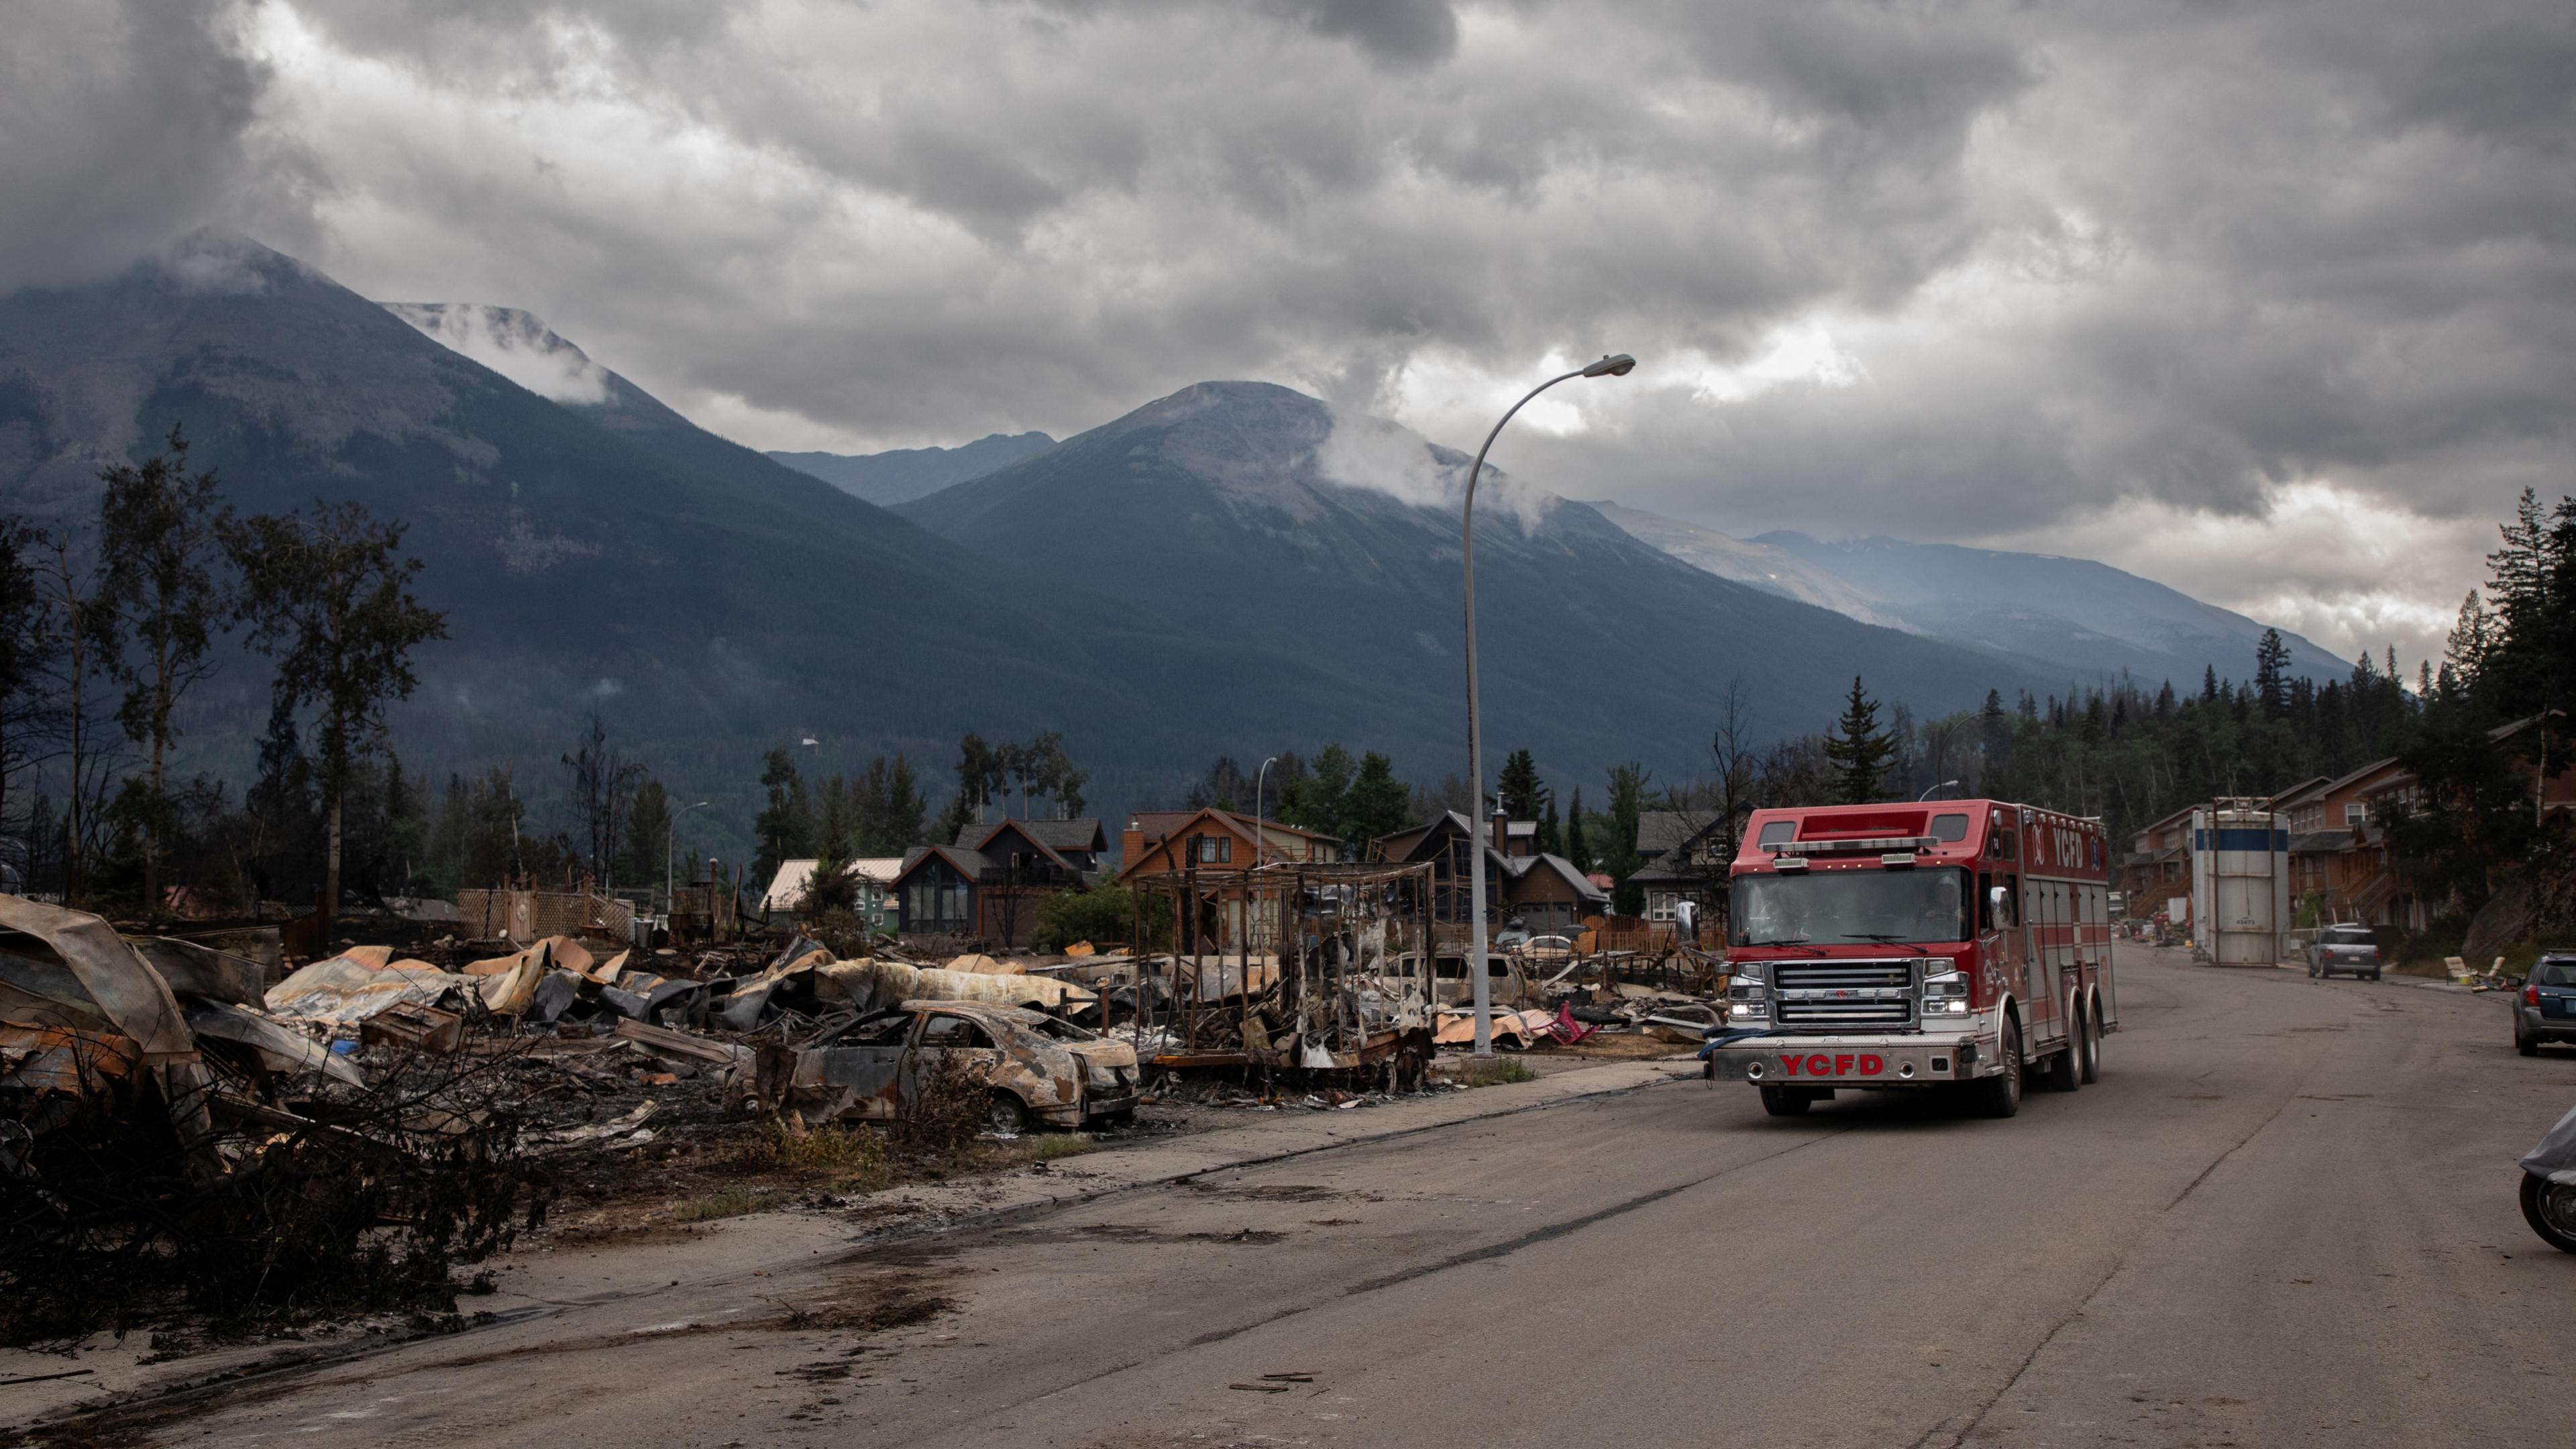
[[1507, 984], [1037, 1067], [2344, 948], [2547, 1010]]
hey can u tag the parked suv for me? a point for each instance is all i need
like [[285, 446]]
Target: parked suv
[[2344, 948], [2547, 1010]]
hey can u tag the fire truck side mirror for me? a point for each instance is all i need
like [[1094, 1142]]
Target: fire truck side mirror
[[2000, 898]]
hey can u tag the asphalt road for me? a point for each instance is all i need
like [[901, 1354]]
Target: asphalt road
[[2285, 1215]]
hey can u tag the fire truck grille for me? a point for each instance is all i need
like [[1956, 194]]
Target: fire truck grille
[[1842, 993]]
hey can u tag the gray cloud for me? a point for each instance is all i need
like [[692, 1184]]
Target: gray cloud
[[121, 126], [1399, 32], [2089, 274]]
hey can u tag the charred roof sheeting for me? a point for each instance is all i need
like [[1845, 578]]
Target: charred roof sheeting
[[131, 995]]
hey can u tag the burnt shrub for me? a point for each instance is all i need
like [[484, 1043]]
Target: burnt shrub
[[948, 1110], [246, 1216]]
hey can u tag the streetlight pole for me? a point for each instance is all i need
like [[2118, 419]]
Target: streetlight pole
[[1259, 779], [670, 847], [1614, 366], [1935, 790]]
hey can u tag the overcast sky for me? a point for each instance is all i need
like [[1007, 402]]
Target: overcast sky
[[2271, 302]]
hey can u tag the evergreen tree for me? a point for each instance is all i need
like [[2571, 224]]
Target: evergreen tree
[[1551, 837], [1317, 800], [887, 809], [836, 823], [2271, 673], [785, 826], [1517, 789], [1576, 848], [1859, 750], [643, 857], [1619, 856], [2464, 654], [1375, 804], [980, 772]]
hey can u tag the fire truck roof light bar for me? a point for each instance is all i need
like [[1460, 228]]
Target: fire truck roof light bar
[[1876, 845]]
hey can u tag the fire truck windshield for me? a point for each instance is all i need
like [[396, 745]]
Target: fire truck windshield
[[1886, 906]]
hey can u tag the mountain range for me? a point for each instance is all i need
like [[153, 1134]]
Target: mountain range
[[2085, 617], [908, 473], [1230, 569]]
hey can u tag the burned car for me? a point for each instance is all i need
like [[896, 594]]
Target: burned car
[[1039, 1068]]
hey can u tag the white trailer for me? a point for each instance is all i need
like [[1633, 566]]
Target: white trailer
[[2240, 884]]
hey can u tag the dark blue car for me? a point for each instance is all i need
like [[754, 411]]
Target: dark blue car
[[2547, 1010]]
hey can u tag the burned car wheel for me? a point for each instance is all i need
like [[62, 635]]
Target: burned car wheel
[[2550, 1208], [1006, 1113]]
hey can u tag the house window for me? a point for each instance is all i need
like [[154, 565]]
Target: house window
[[1659, 905], [1216, 850], [2355, 815]]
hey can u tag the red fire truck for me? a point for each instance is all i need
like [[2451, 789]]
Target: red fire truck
[[1954, 944]]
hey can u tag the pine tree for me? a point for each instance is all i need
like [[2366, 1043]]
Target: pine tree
[[1575, 848], [785, 826], [2464, 654], [1376, 803], [1516, 790], [1619, 856], [1858, 749], [1551, 840], [2272, 673]]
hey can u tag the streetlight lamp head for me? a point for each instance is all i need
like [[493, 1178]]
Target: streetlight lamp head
[[1618, 364]]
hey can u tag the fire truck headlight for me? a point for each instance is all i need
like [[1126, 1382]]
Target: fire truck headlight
[[1753, 971], [1951, 1006], [1746, 1011], [1945, 995]]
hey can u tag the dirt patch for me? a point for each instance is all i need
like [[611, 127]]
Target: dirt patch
[[878, 1304], [1268, 1192]]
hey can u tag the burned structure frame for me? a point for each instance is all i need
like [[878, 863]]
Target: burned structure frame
[[1308, 966]]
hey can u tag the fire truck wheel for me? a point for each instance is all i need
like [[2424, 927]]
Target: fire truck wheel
[[2000, 1094], [1786, 1101], [2065, 1071], [2092, 1041]]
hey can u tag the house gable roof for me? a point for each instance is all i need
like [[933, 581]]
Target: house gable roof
[[1020, 828], [788, 886], [2303, 793], [2161, 822], [968, 863], [1171, 825], [1522, 866], [1663, 831], [1446, 823], [2361, 776], [1082, 833]]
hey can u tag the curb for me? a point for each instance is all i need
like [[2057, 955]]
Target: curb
[[294, 1361], [1003, 1216]]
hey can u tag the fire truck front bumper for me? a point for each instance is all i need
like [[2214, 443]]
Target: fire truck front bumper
[[1851, 1061]]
